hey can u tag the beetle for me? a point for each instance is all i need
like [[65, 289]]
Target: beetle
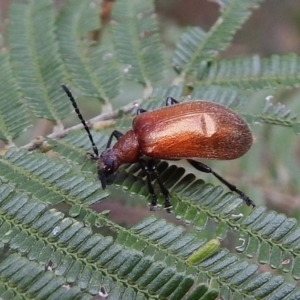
[[189, 130]]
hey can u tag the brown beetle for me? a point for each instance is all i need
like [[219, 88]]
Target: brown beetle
[[197, 129]]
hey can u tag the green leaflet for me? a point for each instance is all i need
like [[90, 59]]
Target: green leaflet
[[36, 62]]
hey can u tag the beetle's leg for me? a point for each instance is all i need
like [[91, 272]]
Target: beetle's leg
[[102, 178], [206, 169], [144, 167], [171, 101], [163, 189], [141, 111], [117, 134], [92, 156]]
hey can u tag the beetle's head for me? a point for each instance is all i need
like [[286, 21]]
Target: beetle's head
[[108, 163]]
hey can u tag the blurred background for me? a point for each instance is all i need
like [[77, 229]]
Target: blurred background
[[270, 171]]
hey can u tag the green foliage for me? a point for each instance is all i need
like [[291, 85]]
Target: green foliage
[[89, 73], [35, 60], [49, 228], [136, 40], [253, 72], [197, 47], [13, 115]]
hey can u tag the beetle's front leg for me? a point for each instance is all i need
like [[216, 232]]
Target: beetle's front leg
[[117, 134], [163, 189], [150, 167], [144, 167]]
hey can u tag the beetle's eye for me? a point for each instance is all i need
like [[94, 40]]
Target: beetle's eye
[[109, 164]]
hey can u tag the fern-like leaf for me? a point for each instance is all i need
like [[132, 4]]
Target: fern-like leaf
[[77, 19], [175, 91], [20, 274], [135, 33], [103, 64], [253, 72], [233, 99], [90, 262], [13, 114], [227, 97], [235, 277], [195, 202], [76, 145], [197, 47], [276, 114], [52, 182], [35, 59]]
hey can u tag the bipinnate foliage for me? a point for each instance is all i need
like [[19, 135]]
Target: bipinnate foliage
[[51, 247]]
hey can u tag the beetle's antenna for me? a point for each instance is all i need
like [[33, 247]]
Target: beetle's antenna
[[69, 94]]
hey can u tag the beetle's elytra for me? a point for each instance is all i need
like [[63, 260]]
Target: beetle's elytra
[[197, 129]]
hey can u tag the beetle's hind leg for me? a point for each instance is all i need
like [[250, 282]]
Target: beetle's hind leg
[[149, 167], [206, 169]]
